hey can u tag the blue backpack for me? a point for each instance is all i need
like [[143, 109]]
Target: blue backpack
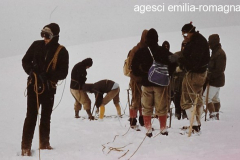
[[158, 73]]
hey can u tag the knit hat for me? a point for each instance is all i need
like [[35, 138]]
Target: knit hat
[[188, 28], [54, 27], [152, 36], [87, 62], [166, 45], [213, 40]]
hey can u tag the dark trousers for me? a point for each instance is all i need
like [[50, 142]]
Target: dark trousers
[[176, 100], [46, 101]]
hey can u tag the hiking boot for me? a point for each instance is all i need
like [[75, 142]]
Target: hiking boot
[[212, 116], [133, 122], [149, 134], [184, 116], [26, 152], [178, 116], [164, 132], [195, 129], [47, 146], [140, 120], [217, 116], [77, 114]]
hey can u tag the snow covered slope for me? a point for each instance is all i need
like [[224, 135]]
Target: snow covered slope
[[83, 139]]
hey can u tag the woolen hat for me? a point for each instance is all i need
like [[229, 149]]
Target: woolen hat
[[152, 36], [87, 62], [166, 45], [54, 27], [214, 38], [188, 28]]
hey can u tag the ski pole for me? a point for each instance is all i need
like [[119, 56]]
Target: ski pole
[[207, 101], [128, 100], [170, 120], [169, 104]]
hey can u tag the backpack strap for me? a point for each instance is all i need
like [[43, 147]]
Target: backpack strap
[[151, 53]]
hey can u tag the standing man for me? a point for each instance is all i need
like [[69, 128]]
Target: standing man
[[46, 62], [215, 76], [153, 95], [135, 85], [176, 87], [78, 79], [194, 60]]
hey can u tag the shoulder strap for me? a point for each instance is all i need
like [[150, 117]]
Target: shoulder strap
[[151, 53], [55, 57]]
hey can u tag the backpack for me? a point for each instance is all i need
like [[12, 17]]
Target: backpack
[[127, 66], [158, 73]]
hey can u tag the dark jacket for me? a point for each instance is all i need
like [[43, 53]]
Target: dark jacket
[[132, 52], [99, 88], [216, 67], [103, 86], [37, 60], [195, 54], [177, 77], [143, 60], [79, 74]]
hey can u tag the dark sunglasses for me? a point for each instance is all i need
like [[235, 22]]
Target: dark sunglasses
[[46, 35], [185, 34]]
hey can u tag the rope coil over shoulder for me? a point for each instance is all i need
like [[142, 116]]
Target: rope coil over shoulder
[[54, 60], [54, 63]]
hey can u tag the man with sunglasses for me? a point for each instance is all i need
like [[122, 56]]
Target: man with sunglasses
[[194, 61], [46, 62]]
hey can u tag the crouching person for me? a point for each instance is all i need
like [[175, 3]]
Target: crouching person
[[111, 89]]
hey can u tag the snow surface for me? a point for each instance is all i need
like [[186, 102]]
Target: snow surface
[[83, 139]]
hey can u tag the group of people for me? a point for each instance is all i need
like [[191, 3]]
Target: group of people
[[46, 62], [196, 78]]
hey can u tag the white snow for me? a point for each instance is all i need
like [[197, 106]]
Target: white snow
[[83, 139]]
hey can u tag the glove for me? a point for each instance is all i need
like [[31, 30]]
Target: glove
[[173, 58], [44, 79], [178, 69]]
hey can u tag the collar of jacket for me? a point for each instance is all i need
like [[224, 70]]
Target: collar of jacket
[[194, 36], [215, 52], [216, 47], [153, 47], [53, 42]]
